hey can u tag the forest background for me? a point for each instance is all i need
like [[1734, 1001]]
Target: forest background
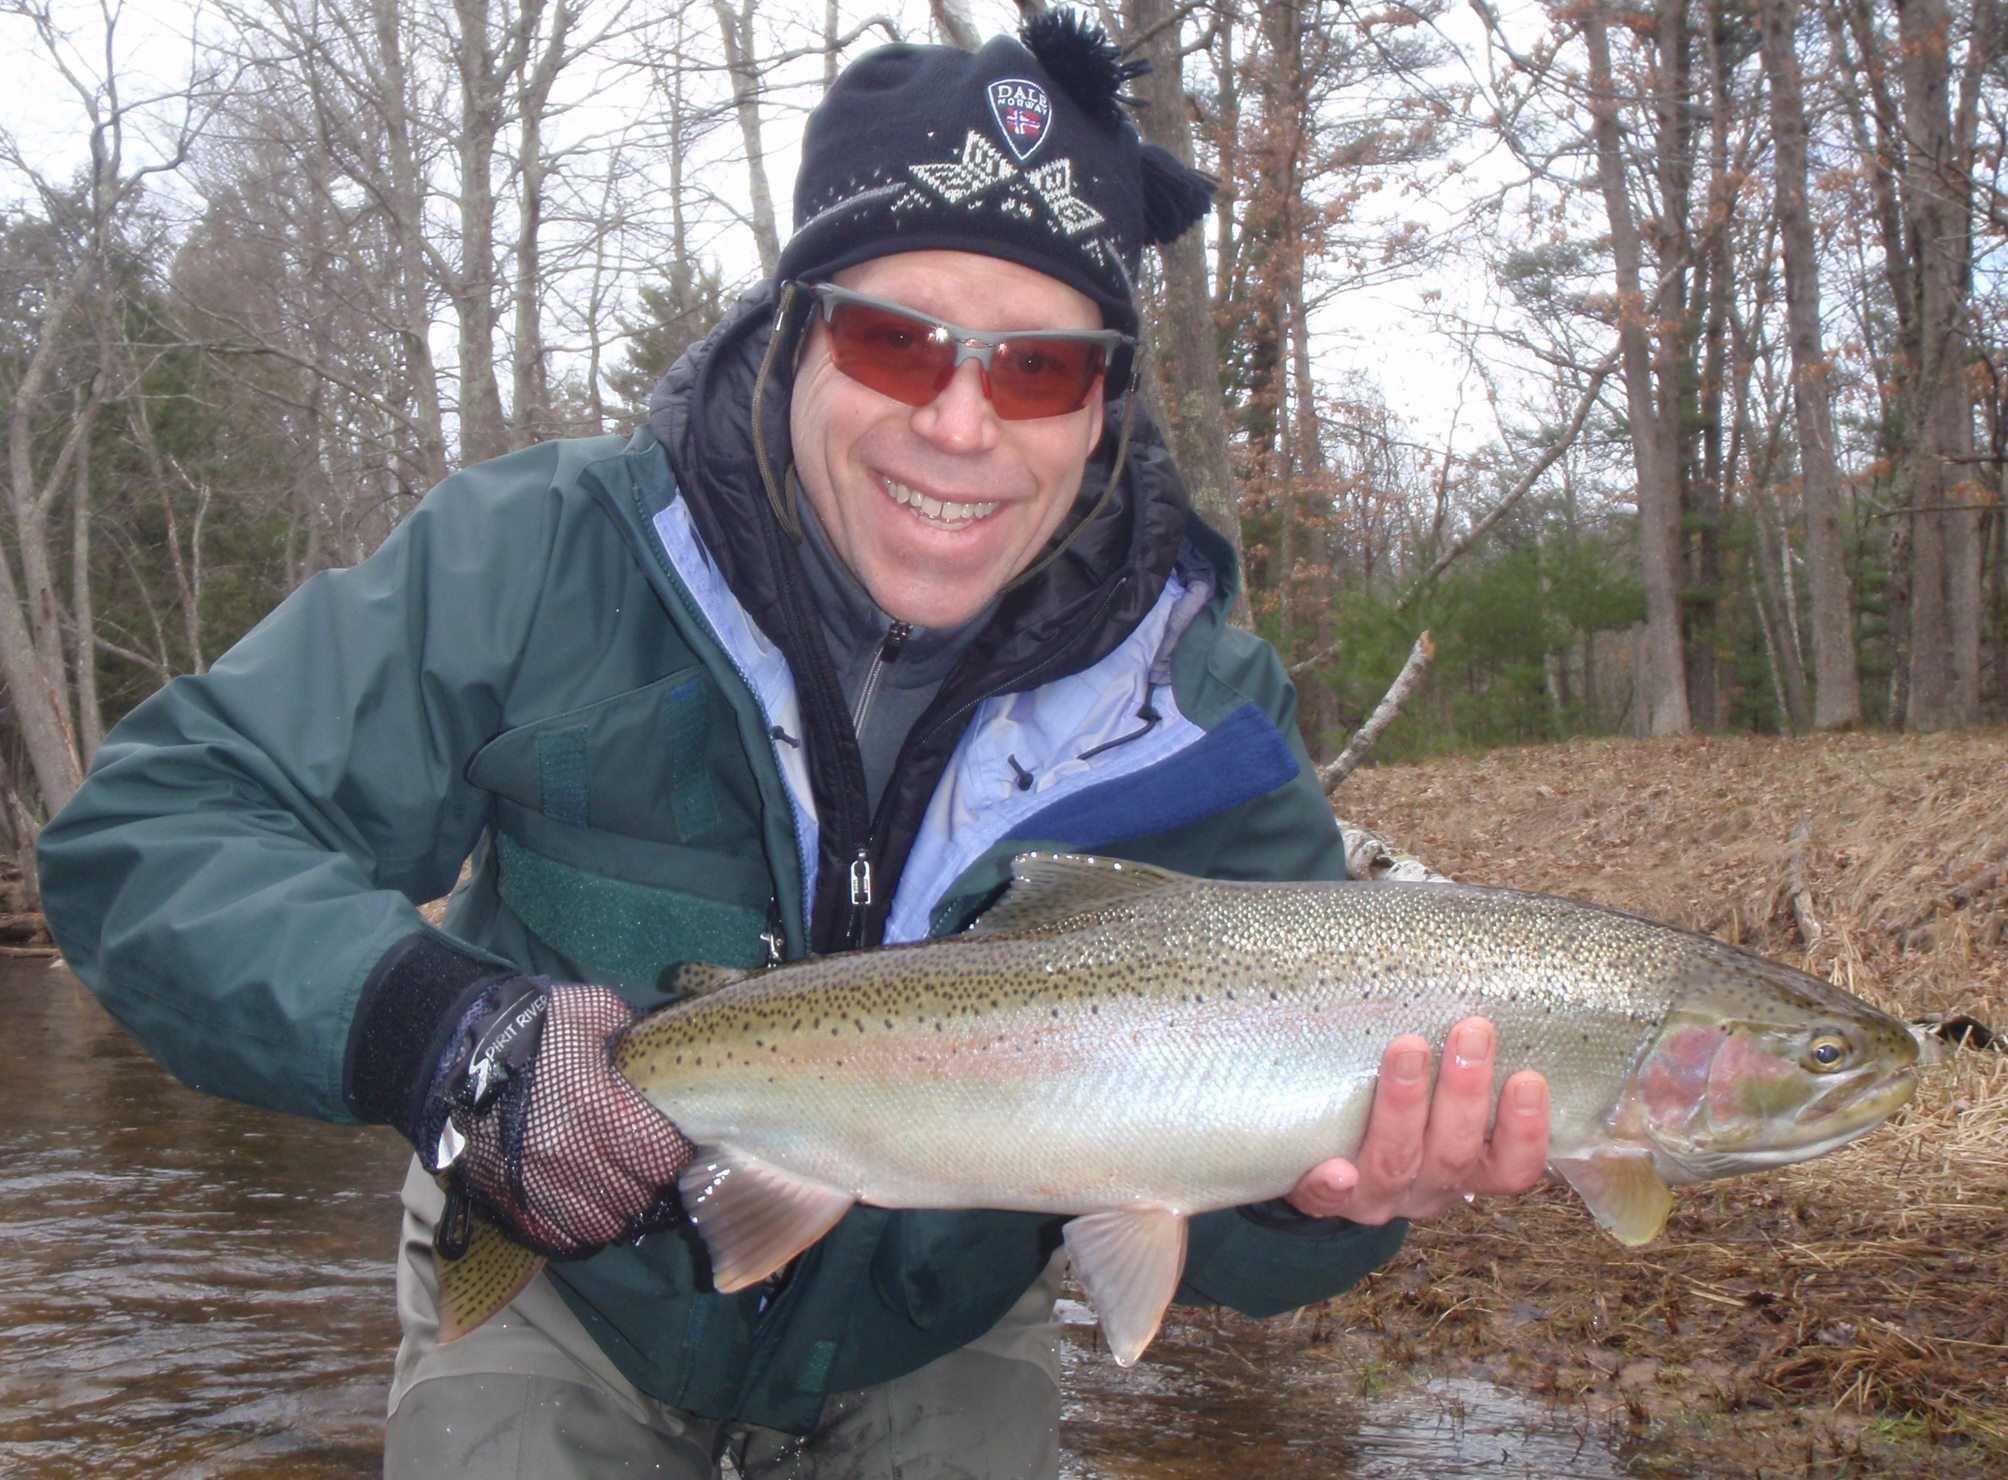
[[1649, 356]]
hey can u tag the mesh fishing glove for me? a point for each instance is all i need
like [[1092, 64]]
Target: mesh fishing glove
[[540, 1130]]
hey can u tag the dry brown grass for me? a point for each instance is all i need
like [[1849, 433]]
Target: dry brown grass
[[1854, 1301]]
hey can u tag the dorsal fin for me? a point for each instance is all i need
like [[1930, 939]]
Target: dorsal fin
[[1051, 891], [699, 978]]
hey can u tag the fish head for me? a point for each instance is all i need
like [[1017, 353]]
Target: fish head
[[1757, 1065]]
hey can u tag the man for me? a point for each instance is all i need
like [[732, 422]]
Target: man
[[898, 581]]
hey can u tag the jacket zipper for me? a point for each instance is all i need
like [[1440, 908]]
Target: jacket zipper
[[861, 864], [889, 650], [861, 881]]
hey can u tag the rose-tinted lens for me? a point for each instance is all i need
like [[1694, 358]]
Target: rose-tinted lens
[[911, 361], [895, 355], [1042, 377]]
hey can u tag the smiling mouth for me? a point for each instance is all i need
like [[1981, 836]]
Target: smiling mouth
[[934, 510]]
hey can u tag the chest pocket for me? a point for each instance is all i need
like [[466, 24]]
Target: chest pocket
[[627, 830]]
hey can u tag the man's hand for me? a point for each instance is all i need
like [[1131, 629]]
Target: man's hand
[[567, 1154], [1423, 1152]]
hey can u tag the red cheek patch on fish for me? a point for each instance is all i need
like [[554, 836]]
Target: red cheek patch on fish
[[1739, 1082], [1674, 1084]]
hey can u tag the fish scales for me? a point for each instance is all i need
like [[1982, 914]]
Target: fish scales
[[1200, 1048]]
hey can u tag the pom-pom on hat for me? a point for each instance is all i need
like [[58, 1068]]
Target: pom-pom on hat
[[1021, 150]]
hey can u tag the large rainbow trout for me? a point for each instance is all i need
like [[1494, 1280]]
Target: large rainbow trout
[[1131, 1047]]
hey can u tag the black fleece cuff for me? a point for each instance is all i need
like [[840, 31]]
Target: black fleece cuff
[[411, 1004]]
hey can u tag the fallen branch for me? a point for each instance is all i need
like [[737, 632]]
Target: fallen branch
[[1384, 713], [1797, 893]]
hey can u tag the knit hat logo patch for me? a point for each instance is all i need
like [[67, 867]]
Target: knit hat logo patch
[[1023, 113]]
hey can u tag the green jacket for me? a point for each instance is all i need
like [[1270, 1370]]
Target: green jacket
[[544, 669]]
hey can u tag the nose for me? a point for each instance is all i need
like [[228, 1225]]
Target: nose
[[961, 418]]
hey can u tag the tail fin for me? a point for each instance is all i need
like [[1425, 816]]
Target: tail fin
[[494, 1271]]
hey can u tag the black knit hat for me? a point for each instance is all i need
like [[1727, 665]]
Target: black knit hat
[[1021, 150]]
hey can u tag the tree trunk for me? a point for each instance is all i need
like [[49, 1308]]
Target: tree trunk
[[530, 385], [1663, 669], [1186, 340], [1837, 698], [406, 201], [482, 432], [737, 31], [1672, 337], [1937, 224], [83, 615]]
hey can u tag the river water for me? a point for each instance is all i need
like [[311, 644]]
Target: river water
[[192, 1288]]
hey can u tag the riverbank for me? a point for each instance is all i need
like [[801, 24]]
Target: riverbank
[[1843, 1317]]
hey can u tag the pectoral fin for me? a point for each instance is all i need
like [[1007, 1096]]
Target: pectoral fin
[[494, 1271], [1129, 1263], [754, 1217], [1624, 1189]]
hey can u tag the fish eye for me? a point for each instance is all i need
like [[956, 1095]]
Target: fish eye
[[1828, 1051]]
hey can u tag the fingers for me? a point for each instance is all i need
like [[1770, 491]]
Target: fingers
[[1518, 1155], [1460, 1113], [1423, 1150]]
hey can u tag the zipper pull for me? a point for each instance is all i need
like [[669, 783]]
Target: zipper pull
[[772, 937], [895, 639], [861, 898]]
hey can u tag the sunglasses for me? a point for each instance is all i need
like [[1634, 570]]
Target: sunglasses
[[911, 357]]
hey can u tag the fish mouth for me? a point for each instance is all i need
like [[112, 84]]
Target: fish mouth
[[1865, 1107]]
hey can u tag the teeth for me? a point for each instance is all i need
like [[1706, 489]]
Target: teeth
[[934, 510]]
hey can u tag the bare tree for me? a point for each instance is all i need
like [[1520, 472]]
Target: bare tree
[[86, 223], [1913, 98], [1659, 504], [735, 27], [1837, 700], [1183, 332]]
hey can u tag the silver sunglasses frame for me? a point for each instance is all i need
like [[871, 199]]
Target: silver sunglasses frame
[[980, 345]]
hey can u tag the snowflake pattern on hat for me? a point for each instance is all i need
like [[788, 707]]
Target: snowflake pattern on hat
[[983, 167], [981, 178]]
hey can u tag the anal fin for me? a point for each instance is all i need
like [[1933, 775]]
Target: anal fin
[[1624, 1190], [754, 1217], [1129, 1262]]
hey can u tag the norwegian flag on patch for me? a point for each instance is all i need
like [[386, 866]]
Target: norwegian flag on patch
[[1022, 111]]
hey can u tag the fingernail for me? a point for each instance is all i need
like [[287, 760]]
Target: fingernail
[[1528, 1095], [1472, 1044], [1410, 1065]]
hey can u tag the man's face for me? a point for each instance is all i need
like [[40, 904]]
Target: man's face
[[935, 508]]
